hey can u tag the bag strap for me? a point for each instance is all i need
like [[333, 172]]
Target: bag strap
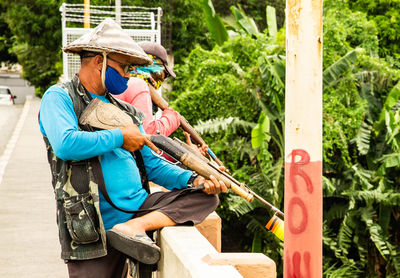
[[137, 155]]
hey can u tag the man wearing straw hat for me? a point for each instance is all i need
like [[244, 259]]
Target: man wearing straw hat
[[104, 208]]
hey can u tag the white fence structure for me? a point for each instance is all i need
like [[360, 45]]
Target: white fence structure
[[141, 23]]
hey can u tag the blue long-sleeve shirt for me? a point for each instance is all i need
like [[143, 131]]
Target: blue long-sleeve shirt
[[59, 124]]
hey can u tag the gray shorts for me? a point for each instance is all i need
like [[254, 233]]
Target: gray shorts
[[189, 206]]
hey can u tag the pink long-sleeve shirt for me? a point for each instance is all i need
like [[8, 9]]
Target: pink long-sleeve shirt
[[138, 94]]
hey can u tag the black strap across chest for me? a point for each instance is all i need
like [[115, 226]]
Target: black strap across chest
[[84, 100]]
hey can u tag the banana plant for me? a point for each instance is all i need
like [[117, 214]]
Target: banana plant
[[214, 23], [245, 23], [239, 22], [271, 21]]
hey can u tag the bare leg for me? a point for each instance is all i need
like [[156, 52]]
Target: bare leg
[[148, 222]]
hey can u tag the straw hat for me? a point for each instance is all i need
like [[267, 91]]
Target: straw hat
[[109, 37]]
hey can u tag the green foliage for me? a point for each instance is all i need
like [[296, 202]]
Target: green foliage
[[386, 15], [187, 30], [260, 133], [361, 138], [183, 27], [386, 114], [343, 114], [246, 23], [362, 173], [35, 26], [344, 30], [220, 73], [214, 23], [218, 124], [257, 243], [333, 73], [271, 21], [238, 22], [6, 40], [255, 9]]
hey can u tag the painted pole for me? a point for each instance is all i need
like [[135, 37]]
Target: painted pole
[[86, 14], [303, 140]]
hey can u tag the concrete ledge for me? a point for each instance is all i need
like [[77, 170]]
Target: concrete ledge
[[194, 252], [248, 264], [210, 228], [182, 250]]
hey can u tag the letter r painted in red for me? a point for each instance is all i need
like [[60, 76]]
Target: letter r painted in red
[[295, 169]]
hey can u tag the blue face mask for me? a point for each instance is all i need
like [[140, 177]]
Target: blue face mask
[[115, 83]]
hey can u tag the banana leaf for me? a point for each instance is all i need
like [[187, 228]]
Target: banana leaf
[[214, 23]]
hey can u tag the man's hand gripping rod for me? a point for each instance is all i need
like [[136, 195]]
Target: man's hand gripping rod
[[204, 168]]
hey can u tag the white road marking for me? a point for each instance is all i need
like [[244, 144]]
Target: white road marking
[[5, 157]]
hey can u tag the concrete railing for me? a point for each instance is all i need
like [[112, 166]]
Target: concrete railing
[[194, 252]]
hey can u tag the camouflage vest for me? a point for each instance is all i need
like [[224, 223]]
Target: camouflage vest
[[81, 230]]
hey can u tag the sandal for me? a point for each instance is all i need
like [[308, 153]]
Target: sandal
[[139, 247]]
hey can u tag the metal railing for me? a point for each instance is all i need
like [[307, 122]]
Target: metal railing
[[141, 23]]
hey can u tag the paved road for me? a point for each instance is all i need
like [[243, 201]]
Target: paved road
[[9, 115], [28, 234]]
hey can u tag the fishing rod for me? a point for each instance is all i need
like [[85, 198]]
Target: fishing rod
[[195, 162]]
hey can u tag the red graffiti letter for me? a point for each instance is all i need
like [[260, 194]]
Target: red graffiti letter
[[304, 220], [296, 265], [296, 171]]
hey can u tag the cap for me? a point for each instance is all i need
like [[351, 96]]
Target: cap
[[159, 51]]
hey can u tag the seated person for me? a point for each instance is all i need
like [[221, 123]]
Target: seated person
[[104, 207]]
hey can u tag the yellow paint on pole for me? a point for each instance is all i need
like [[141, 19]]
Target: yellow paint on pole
[[86, 14], [303, 140]]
